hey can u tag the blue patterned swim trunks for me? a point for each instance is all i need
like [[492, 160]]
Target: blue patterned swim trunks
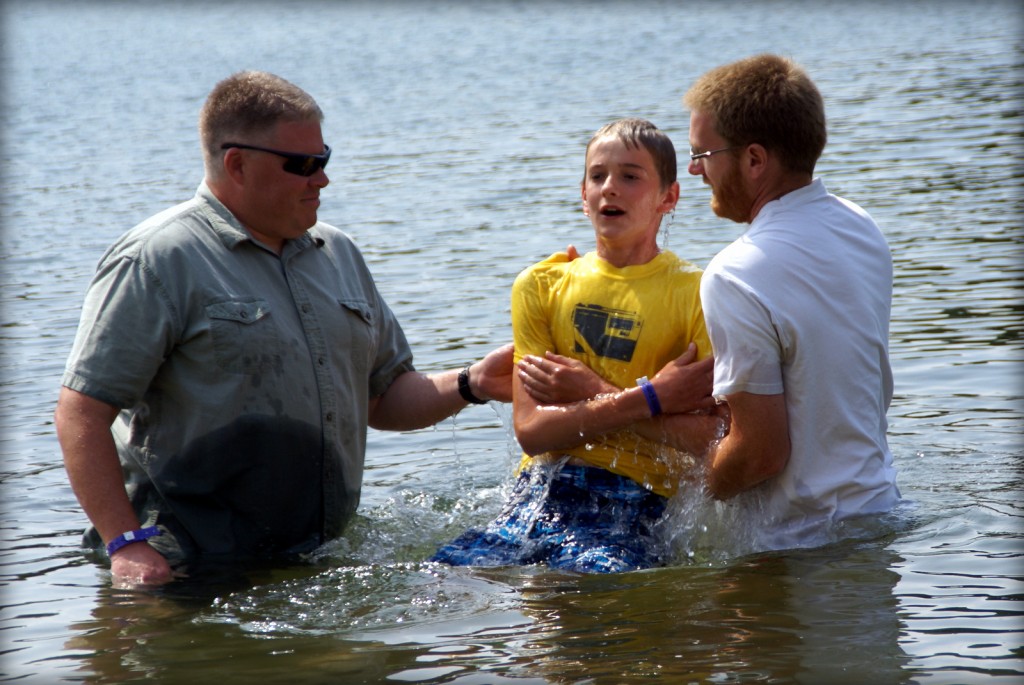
[[570, 517]]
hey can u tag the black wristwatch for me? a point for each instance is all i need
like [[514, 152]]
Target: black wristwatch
[[464, 390]]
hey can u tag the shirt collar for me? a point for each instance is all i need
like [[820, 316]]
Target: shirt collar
[[794, 198], [230, 230]]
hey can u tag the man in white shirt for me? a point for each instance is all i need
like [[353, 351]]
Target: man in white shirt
[[797, 309]]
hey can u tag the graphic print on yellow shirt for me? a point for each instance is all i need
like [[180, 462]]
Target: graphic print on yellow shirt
[[606, 332], [622, 323]]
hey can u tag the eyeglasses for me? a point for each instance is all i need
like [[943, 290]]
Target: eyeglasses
[[295, 162], [698, 156]]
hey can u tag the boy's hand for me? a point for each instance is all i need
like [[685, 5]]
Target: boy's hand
[[560, 380]]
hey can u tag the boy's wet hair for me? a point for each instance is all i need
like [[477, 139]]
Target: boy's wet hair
[[639, 133]]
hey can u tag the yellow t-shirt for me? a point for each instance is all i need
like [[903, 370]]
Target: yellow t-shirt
[[622, 323]]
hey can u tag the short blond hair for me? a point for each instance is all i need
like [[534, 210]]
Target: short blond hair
[[245, 107], [765, 99]]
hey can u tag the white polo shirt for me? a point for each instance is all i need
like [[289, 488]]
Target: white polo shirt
[[800, 305]]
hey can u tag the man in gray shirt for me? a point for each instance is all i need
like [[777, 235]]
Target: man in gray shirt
[[231, 353]]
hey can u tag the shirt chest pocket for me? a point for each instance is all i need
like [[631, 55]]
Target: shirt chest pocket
[[357, 326], [244, 335]]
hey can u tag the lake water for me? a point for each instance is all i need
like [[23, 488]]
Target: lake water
[[458, 131]]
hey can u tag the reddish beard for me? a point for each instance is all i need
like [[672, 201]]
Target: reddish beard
[[729, 199]]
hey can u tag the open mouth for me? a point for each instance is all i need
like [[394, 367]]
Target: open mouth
[[612, 211]]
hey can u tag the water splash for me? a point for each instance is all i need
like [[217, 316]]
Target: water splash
[[699, 529]]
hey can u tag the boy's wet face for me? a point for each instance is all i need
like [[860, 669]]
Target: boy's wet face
[[622, 193]]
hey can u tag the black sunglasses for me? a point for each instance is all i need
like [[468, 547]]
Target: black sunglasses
[[295, 162]]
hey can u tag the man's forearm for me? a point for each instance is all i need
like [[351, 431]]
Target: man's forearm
[[416, 400], [92, 464], [757, 447]]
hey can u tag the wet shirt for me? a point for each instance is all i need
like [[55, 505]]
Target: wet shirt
[[623, 323], [800, 304], [243, 378]]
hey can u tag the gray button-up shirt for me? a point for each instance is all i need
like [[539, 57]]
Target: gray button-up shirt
[[243, 378]]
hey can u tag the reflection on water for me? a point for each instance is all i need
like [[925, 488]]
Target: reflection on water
[[827, 615], [823, 617], [462, 134]]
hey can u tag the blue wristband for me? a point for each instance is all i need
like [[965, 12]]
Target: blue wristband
[[652, 397], [130, 537]]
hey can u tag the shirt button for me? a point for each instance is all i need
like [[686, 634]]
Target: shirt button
[[329, 417], [305, 309]]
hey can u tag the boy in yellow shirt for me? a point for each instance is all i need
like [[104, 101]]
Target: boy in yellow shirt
[[605, 447]]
